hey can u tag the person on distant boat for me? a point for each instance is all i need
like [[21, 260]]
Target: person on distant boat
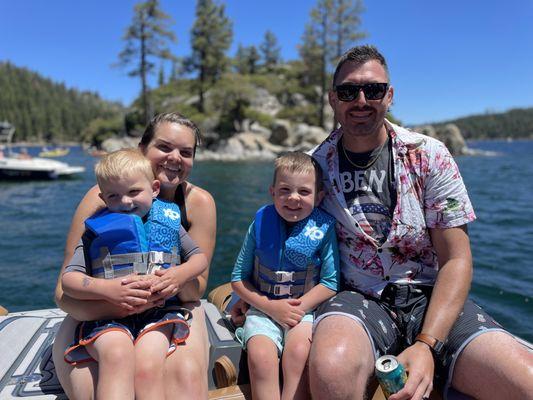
[[135, 234], [24, 155], [405, 258], [169, 143], [287, 266]]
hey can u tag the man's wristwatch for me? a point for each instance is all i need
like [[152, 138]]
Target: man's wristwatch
[[433, 343]]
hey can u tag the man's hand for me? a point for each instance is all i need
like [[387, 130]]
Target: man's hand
[[286, 312], [417, 359], [238, 312]]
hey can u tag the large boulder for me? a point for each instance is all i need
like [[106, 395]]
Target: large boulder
[[264, 102], [451, 136], [243, 146], [427, 130], [281, 129], [117, 143]]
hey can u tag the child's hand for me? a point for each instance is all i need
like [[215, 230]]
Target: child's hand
[[129, 292], [286, 312], [238, 312], [166, 284]]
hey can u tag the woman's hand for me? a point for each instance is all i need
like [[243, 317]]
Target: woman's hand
[[128, 293]]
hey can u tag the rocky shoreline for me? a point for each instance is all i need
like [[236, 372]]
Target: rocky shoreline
[[260, 143]]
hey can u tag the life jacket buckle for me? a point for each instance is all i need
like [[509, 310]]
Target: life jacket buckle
[[156, 257], [284, 276], [282, 290]]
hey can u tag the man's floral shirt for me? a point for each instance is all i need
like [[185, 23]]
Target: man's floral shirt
[[430, 194]]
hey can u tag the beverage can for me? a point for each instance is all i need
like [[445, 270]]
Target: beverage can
[[391, 375]]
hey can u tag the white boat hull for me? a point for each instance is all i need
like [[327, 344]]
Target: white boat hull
[[36, 168]]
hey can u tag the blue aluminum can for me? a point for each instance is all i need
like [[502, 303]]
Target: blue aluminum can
[[391, 375]]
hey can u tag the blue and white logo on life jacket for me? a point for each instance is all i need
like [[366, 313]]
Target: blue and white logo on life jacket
[[288, 264], [118, 244]]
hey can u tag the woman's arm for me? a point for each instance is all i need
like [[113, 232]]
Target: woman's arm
[[201, 211], [78, 285]]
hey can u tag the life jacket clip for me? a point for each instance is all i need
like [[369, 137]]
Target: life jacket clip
[[284, 276], [282, 290]]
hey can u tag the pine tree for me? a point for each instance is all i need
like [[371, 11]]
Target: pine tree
[[270, 51], [211, 37], [346, 25], [246, 60], [147, 37], [161, 76], [334, 24]]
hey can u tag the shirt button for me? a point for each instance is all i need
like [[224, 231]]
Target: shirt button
[[380, 250], [387, 278]]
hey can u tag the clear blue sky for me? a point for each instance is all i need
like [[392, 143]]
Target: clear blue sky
[[448, 58]]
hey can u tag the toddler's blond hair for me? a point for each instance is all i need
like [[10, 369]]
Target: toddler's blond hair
[[122, 163]]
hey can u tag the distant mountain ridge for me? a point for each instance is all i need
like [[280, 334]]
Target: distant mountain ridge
[[516, 123], [44, 110]]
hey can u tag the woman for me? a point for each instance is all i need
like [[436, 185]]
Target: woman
[[169, 142]]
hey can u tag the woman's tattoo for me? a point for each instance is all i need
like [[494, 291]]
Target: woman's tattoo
[[86, 281]]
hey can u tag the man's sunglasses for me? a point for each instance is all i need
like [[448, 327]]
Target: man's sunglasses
[[350, 91]]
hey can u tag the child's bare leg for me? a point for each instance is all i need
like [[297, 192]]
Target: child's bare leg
[[150, 354], [263, 365], [295, 354], [115, 354]]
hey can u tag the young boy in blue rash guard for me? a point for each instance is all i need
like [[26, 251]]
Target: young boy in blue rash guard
[[136, 234], [287, 266]]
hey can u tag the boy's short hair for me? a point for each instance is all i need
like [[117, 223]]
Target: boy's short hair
[[123, 163], [298, 162]]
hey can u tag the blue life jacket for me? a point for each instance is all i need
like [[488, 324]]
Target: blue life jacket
[[118, 244], [288, 265]]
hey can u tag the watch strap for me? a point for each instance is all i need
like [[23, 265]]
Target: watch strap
[[434, 344]]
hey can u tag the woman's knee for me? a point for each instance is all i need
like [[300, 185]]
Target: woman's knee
[[77, 382]]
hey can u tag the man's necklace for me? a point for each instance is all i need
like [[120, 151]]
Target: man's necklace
[[370, 162]]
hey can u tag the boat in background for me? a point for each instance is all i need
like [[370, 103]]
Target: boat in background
[[57, 152], [22, 166]]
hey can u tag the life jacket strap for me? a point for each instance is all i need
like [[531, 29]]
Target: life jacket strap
[[287, 276], [279, 290], [142, 263]]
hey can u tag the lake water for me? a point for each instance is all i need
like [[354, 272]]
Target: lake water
[[35, 217]]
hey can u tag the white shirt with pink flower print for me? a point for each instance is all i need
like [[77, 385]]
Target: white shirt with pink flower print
[[430, 194]]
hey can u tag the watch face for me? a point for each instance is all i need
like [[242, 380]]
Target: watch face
[[438, 347]]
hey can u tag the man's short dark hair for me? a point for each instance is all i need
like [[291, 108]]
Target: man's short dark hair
[[360, 55]]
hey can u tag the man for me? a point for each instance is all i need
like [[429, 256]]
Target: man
[[406, 264]]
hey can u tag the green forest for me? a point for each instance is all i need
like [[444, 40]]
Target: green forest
[[42, 110], [218, 91]]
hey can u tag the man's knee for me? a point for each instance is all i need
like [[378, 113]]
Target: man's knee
[[340, 339]]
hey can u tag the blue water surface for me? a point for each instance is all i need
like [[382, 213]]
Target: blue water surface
[[35, 218]]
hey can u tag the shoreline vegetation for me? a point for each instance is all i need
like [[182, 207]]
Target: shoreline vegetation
[[251, 104]]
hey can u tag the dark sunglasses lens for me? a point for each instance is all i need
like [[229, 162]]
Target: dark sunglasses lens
[[375, 91], [347, 92], [372, 91]]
